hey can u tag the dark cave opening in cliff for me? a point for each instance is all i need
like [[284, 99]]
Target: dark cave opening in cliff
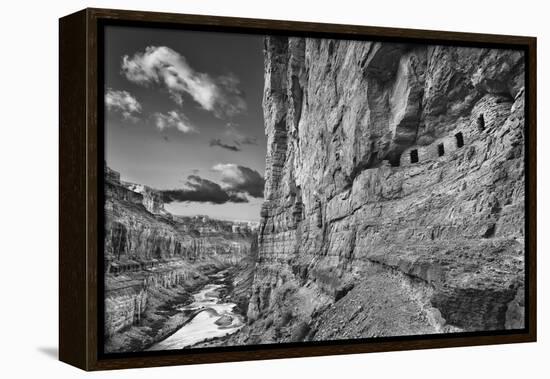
[[459, 140], [481, 123], [441, 150], [395, 162], [158, 253], [414, 156]]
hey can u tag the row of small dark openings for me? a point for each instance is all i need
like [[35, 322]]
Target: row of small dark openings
[[440, 148]]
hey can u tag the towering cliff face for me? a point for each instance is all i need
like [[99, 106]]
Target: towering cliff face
[[394, 191]]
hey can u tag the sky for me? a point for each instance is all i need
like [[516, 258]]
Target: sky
[[183, 115]]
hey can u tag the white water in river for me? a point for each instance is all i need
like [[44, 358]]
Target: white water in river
[[203, 326]]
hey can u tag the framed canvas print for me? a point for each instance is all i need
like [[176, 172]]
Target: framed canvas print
[[237, 189]]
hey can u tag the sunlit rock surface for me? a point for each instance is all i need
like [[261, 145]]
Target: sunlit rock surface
[[394, 191]]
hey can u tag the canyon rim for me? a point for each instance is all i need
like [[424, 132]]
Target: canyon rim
[[274, 189]]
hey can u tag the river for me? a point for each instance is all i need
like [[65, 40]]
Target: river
[[214, 317]]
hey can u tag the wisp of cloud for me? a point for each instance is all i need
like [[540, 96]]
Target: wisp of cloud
[[123, 102], [218, 142], [173, 119], [239, 138], [168, 68]]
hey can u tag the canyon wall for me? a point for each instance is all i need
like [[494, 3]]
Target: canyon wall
[[148, 251], [394, 196]]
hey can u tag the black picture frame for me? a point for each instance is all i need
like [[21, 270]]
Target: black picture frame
[[81, 189]]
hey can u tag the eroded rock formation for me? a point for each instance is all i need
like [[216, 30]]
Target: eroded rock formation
[[394, 195], [154, 259]]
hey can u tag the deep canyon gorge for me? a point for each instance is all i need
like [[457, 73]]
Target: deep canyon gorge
[[394, 205], [155, 261]]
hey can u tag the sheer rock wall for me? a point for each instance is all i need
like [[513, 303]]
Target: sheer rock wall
[[438, 241]]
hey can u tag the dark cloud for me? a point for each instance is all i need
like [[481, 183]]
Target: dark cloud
[[247, 141], [218, 142], [241, 179], [202, 191]]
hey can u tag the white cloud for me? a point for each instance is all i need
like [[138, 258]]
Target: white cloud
[[173, 119], [230, 172], [241, 179], [123, 102], [166, 67]]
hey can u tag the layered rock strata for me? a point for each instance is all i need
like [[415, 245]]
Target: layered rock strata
[[394, 196], [154, 259]]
